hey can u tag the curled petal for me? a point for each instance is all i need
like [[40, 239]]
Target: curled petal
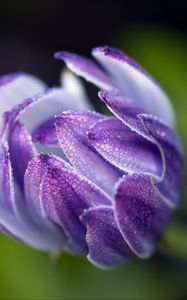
[[64, 196], [172, 155], [134, 82], [107, 248], [124, 109], [48, 104], [86, 68], [141, 213], [72, 128], [124, 148], [55, 101], [33, 111]]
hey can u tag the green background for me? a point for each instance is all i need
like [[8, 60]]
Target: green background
[[29, 274]]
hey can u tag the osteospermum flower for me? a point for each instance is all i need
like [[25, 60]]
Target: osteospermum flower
[[110, 184]]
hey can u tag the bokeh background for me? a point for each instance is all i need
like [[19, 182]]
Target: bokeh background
[[153, 32]]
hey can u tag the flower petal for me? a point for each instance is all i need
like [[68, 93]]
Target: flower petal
[[158, 133], [72, 128], [124, 148], [124, 109], [37, 114], [86, 68], [14, 88], [141, 213], [7, 198], [63, 99], [73, 84], [107, 248], [28, 233], [135, 82], [21, 149], [16, 222], [45, 133], [48, 104], [65, 195], [33, 111], [172, 154], [35, 172]]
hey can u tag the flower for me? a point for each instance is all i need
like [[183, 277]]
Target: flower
[[110, 183]]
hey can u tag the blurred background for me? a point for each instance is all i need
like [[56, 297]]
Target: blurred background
[[153, 32]]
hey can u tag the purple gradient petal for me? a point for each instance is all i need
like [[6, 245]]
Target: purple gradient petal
[[134, 82], [8, 78], [22, 151], [124, 148], [107, 247], [34, 174], [72, 128], [65, 195], [28, 233], [141, 213], [7, 198], [86, 68]]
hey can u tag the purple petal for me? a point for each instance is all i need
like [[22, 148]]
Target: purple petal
[[33, 111], [45, 133], [48, 104], [22, 150], [141, 213], [72, 128], [35, 172], [12, 222], [37, 114], [172, 155], [7, 198], [124, 109], [86, 68], [65, 195], [107, 248], [135, 83], [124, 148], [159, 134], [14, 88], [6, 79], [29, 233]]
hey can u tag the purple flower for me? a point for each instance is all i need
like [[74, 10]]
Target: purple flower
[[110, 184]]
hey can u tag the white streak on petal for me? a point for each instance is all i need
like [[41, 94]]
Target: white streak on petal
[[73, 84], [15, 90]]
